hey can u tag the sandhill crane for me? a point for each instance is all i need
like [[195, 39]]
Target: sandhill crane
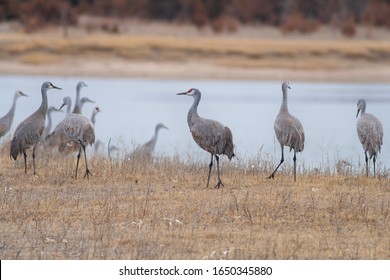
[[6, 121], [111, 148], [29, 132], [77, 107], [83, 101], [66, 101], [79, 130], [94, 113], [146, 150], [59, 138], [370, 133], [49, 121], [212, 136], [288, 131]]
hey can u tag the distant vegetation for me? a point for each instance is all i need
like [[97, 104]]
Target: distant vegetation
[[222, 15]]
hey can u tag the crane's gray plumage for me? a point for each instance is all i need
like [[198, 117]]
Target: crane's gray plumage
[[288, 131], [77, 106], [146, 150], [29, 132], [6, 121], [49, 121], [212, 136], [78, 129], [370, 133]]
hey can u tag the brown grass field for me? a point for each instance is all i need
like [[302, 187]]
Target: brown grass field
[[161, 210]]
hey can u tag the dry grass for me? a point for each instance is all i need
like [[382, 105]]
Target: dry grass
[[129, 210], [229, 52]]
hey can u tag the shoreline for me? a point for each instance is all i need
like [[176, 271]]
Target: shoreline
[[155, 52], [115, 68]]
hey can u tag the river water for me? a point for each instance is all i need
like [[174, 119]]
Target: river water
[[132, 107]]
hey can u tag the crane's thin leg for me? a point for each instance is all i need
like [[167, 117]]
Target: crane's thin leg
[[295, 166], [219, 179], [78, 159], [210, 166], [87, 173], [374, 160], [365, 153], [25, 161], [33, 157], [281, 161]]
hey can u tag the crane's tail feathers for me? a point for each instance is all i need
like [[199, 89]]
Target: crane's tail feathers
[[232, 156], [14, 151]]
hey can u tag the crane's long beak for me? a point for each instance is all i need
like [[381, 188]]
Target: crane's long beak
[[182, 93], [56, 87], [63, 104], [358, 111], [23, 94]]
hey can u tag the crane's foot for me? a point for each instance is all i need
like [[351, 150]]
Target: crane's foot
[[219, 185], [87, 173], [271, 176]]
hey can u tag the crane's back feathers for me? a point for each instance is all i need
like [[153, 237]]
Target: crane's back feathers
[[27, 134], [289, 132], [370, 132], [212, 136]]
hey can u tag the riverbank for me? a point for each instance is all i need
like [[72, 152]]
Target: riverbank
[[166, 56]]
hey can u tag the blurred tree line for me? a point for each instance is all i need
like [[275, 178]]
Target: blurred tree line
[[290, 15]]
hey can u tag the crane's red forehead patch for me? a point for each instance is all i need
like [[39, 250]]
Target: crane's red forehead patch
[[189, 90]]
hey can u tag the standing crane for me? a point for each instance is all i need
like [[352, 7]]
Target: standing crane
[[77, 106], [78, 129], [6, 121], [146, 150], [212, 136], [29, 132], [370, 133], [288, 131], [49, 121]]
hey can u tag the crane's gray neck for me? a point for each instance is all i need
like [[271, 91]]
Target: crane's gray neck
[[153, 141], [155, 136], [284, 107], [81, 105], [193, 112], [11, 111], [93, 117], [156, 131], [77, 106], [43, 108], [49, 122], [68, 105], [362, 108]]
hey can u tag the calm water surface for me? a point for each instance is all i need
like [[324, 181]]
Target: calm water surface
[[132, 107]]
